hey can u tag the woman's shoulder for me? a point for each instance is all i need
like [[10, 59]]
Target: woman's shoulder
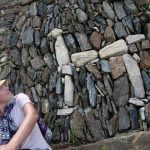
[[22, 99], [22, 96]]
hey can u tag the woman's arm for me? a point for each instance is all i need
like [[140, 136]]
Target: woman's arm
[[25, 128]]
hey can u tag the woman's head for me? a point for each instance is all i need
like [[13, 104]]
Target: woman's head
[[5, 94]]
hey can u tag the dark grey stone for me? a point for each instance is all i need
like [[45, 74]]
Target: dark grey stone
[[27, 38], [42, 9], [121, 91], [94, 125], [137, 25], [16, 56], [101, 22], [13, 39], [44, 48], [81, 4], [37, 38], [107, 86], [124, 121], [127, 22], [82, 75], [146, 80], [133, 117], [119, 9], [120, 30], [70, 42], [91, 90]]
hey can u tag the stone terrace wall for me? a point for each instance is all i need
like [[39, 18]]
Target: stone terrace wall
[[84, 63]]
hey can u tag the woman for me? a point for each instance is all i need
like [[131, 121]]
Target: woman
[[18, 122]]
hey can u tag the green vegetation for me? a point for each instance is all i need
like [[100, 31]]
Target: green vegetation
[[73, 136], [102, 148]]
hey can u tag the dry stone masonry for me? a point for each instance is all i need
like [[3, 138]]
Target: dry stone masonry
[[84, 63]]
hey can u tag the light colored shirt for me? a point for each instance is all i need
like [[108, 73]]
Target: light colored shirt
[[35, 139]]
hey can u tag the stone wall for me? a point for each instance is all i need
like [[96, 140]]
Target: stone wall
[[84, 63]]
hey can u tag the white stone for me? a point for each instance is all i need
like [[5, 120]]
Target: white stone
[[3, 59], [135, 38], [134, 75], [55, 33], [82, 58], [59, 69], [64, 112], [62, 54], [69, 91], [136, 102], [66, 69], [136, 57], [142, 114], [115, 49]]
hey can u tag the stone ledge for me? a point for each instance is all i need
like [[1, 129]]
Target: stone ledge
[[125, 141]]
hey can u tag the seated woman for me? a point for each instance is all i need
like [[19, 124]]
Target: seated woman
[[18, 122]]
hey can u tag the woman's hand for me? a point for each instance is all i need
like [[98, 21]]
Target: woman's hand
[[7, 147]]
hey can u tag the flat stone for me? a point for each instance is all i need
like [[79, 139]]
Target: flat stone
[[81, 15], [121, 91], [62, 54], [5, 72], [108, 87], [91, 90], [54, 33], [36, 22], [132, 48], [33, 9], [70, 43], [117, 48], [94, 70], [37, 62], [147, 30], [41, 9], [133, 116], [135, 38], [27, 38], [119, 9], [146, 80], [37, 38], [120, 30], [136, 57], [68, 91], [95, 40], [145, 44], [124, 121], [117, 66], [109, 34], [21, 22], [105, 66], [44, 47], [108, 10], [16, 56], [59, 86], [128, 22], [147, 113], [64, 112], [134, 75], [48, 59], [136, 102], [83, 41], [13, 39], [94, 125], [77, 124], [79, 59], [145, 59], [66, 69], [131, 6]]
